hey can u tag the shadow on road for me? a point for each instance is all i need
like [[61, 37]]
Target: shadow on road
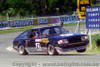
[[61, 55]]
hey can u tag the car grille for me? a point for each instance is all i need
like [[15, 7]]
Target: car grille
[[74, 39]]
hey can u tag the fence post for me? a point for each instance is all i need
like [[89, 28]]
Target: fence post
[[90, 39], [7, 16]]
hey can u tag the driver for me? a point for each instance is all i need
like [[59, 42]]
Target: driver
[[35, 34]]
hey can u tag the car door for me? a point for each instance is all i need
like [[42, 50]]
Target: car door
[[34, 42]]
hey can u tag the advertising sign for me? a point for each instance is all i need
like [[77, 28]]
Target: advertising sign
[[4, 25], [55, 20], [43, 21], [81, 5], [69, 19], [93, 17], [21, 23]]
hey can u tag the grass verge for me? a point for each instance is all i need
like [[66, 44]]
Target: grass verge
[[96, 41], [96, 4], [73, 24]]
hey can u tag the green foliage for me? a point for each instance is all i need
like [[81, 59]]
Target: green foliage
[[68, 4], [93, 1], [52, 6], [95, 41], [37, 7]]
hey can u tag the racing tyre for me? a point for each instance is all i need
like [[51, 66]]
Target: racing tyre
[[80, 51], [22, 50], [51, 50]]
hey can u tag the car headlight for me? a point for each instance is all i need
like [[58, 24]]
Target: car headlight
[[83, 38], [63, 41], [60, 41]]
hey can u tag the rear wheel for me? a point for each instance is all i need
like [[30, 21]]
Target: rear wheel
[[51, 50], [22, 50], [80, 51]]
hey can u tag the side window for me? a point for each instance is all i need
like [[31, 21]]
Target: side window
[[34, 34], [57, 30], [23, 35], [45, 32], [63, 30]]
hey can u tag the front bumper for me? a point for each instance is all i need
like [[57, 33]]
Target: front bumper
[[62, 50]]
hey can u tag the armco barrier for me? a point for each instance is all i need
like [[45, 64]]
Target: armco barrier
[[43, 21], [21, 23], [4, 25], [38, 21], [55, 20], [68, 19]]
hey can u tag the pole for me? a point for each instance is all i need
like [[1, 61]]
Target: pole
[[87, 31], [7, 16], [78, 27], [99, 32], [90, 39], [32, 16]]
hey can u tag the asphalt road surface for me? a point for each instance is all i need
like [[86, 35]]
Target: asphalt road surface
[[10, 58]]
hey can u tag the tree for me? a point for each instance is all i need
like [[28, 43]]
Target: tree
[[11, 12], [0, 7], [37, 7], [67, 6], [52, 6], [21, 12]]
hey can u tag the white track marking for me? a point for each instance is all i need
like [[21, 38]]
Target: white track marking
[[10, 49]]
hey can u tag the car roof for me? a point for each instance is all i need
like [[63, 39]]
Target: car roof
[[44, 27]]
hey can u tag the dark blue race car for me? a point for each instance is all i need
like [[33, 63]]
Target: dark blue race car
[[50, 39]]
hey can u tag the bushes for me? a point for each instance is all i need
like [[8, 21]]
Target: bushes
[[96, 41]]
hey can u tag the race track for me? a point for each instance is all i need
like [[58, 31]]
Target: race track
[[10, 58]]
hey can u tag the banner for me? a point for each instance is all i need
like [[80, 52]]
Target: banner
[[69, 19], [4, 25], [55, 20], [81, 5], [43, 21], [21, 23]]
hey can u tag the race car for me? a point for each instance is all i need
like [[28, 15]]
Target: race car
[[50, 39]]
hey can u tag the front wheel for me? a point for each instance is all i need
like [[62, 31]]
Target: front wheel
[[51, 50], [22, 50], [80, 51]]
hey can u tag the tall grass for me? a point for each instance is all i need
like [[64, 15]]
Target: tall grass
[[96, 4], [96, 41]]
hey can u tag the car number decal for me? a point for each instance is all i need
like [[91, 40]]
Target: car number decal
[[45, 40], [38, 46], [38, 40]]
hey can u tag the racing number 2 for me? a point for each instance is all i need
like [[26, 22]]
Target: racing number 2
[[38, 46]]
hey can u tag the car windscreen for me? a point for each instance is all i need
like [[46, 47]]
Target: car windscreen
[[53, 31]]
